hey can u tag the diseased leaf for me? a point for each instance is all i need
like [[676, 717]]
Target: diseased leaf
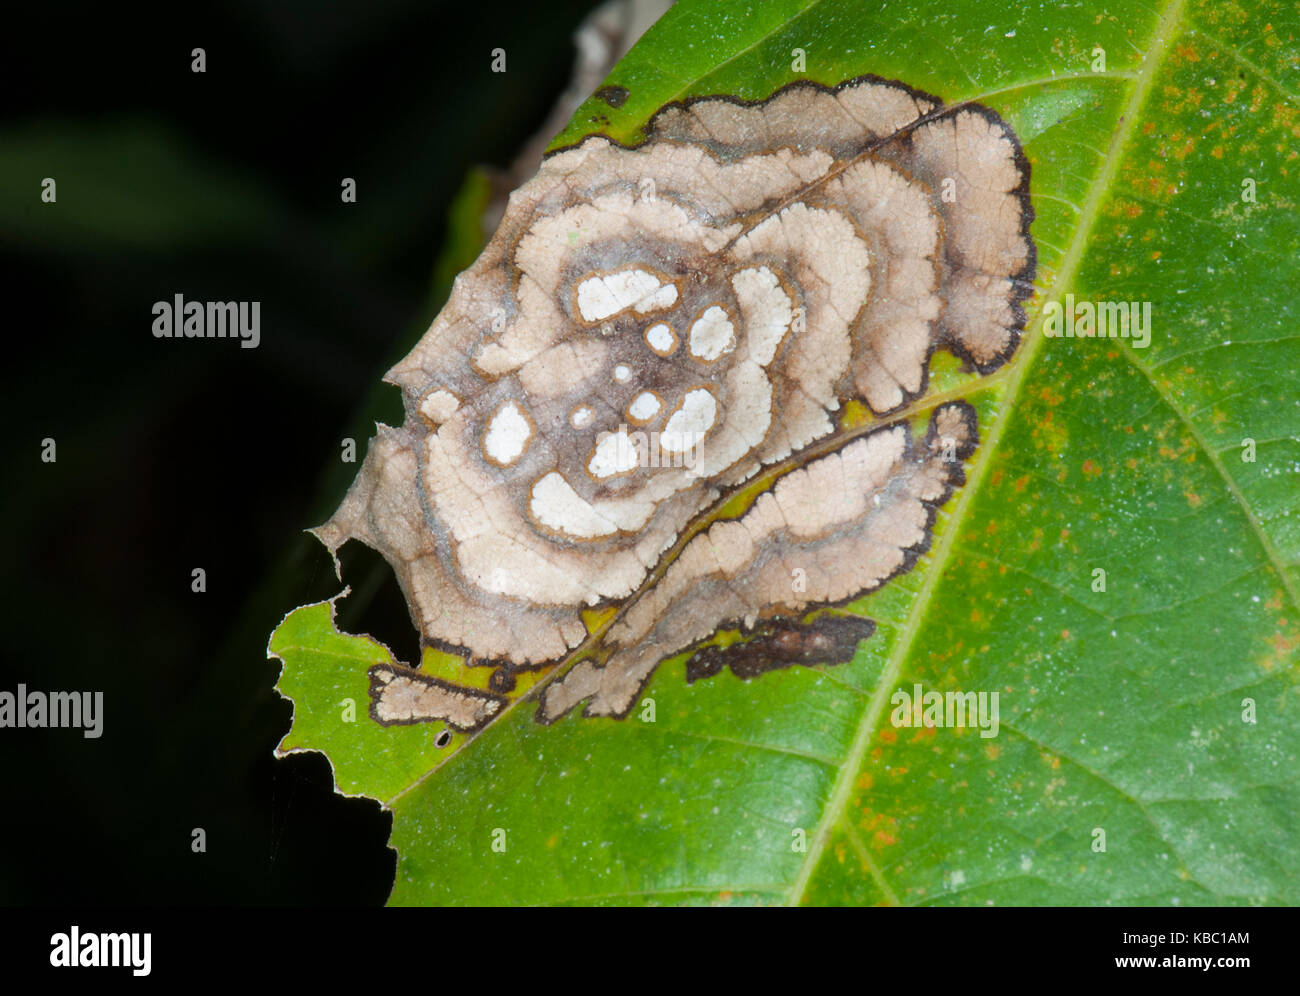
[[652, 327], [1077, 695]]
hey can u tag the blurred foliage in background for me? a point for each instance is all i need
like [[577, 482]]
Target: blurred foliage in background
[[174, 455]]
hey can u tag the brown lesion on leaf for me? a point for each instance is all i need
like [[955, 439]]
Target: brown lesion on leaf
[[828, 532], [734, 283], [614, 96], [400, 696], [782, 643]]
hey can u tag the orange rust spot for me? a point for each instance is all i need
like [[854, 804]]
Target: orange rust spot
[[1090, 468], [1021, 482], [1283, 644], [865, 781], [870, 820], [976, 616], [991, 752], [884, 839], [1065, 634], [888, 736]]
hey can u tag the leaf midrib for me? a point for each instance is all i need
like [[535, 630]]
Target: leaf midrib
[[1169, 24]]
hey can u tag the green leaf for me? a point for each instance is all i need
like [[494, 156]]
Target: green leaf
[[1159, 710]]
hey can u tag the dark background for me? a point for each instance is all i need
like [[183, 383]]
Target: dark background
[[197, 453]]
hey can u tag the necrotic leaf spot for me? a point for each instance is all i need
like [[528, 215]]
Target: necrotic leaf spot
[[678, 316]]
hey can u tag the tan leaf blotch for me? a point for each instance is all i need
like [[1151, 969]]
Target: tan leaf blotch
[[400, 696], [648, 329]]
